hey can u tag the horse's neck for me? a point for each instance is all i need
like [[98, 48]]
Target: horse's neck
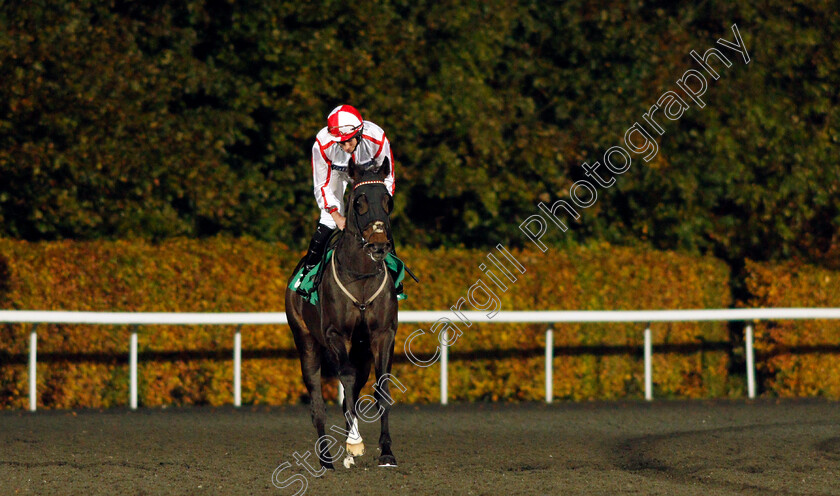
[[351, 256]]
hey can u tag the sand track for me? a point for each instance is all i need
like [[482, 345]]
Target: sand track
[[666, 447]]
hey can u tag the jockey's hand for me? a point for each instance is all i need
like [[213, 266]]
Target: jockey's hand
[[339, 219]]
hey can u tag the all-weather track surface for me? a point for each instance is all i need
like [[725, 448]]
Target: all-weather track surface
[[765, 447]]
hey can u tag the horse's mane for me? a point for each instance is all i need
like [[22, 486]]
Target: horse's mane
[[369, 176], [378, 174]]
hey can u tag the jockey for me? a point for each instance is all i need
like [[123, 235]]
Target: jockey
[[347, 137]]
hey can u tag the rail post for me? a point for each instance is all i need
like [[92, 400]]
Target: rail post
[[648, 364], [748, 342], [549, 365], [444, 370], [33, 369], [237, 367], [133, 369]]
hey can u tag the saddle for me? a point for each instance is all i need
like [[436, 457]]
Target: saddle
[[310, 281]]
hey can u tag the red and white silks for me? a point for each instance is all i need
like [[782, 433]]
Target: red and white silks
[[330, 164]]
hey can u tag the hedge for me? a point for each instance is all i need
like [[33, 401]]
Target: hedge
[[796, 358], [86, 366], [587, 363]]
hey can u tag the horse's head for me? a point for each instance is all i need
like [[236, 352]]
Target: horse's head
[[370, 208]]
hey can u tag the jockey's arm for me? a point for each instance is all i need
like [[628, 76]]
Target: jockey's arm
[[386, 153], [340, 220], [321, 176]]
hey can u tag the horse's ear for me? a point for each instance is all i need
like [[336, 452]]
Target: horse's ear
[[354, 172], [385, 169]]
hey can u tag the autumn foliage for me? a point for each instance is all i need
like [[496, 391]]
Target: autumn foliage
[[86, 366], [796, 357], [175, 123]]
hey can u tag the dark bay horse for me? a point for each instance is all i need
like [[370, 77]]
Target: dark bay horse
[[355, 321]]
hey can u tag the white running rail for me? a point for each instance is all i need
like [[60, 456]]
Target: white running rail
[[406, 317]]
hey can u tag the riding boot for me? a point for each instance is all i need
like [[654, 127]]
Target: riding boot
[[316, 249]]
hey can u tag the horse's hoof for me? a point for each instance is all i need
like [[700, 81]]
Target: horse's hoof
[[356, 449], [387, 461], [349, 461], [328, 466]]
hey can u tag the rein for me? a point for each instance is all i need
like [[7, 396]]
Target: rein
[[361, 306]]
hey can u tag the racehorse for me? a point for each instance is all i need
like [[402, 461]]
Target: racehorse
[[354, 323]]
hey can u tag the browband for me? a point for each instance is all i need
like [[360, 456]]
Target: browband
[[368, 182]]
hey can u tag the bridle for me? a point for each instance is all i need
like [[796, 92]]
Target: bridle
[[382, 269], [358, 231]]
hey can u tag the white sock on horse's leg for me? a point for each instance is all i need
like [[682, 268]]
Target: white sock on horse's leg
[[355, 444], [354, 437]]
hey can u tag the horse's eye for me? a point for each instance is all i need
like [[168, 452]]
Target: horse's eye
[[387, 203], [361, 205]]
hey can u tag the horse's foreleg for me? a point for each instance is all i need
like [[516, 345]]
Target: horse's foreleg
[[347, 373], [360, 373], [310, 365], [383, 352]]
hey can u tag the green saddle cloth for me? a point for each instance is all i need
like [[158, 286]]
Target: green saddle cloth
[[307, 281]]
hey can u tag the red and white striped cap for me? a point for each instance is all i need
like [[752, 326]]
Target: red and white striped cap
[[344, 122]]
